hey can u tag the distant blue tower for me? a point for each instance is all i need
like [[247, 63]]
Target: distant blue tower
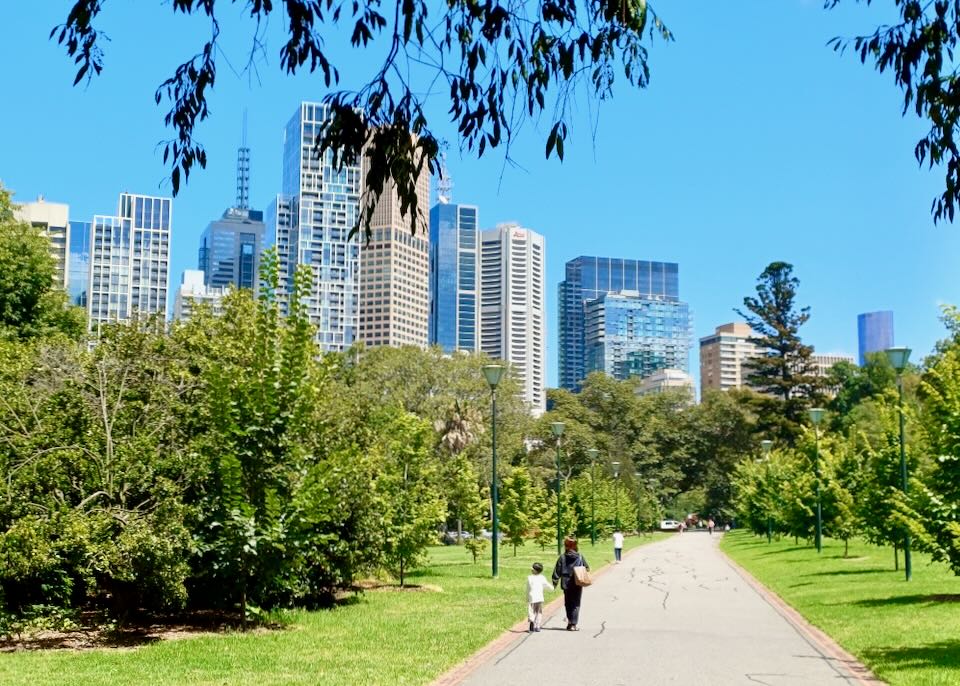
[[874, 332]]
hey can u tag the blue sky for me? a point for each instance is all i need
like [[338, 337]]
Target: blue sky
[[754, 142]]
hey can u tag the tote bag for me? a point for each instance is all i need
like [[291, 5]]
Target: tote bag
[[581, 574]]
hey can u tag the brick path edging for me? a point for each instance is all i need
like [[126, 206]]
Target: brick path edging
[[459, 672], [857, 672]]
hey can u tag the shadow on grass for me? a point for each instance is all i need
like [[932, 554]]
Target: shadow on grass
[[910, 600], [791, 549], [942, 654], [852, 572]]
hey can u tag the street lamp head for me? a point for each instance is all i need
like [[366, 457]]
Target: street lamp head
[[616, 469], [493, 373], [592, 454], [816, 415], [765, 445], [557, 428], [898, 358]]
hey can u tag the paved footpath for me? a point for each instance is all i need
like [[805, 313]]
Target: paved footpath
[[674, 612]]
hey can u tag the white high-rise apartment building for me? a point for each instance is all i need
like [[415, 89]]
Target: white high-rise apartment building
[[192, 292], [53, 219], [130, 260], [512, 307], [723, 356], [310, 224]]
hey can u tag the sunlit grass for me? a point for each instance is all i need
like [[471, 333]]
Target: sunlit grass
[[385, 637], [907, 632]]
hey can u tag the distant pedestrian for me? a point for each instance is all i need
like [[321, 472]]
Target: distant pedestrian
[[726, 527], [617, 546], [564, 574], [710, 526], [536, 584]]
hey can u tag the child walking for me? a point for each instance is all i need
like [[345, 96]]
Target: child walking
[[536, 584]]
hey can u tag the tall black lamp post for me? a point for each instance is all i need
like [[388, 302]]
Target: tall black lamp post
[[493, 373], [816, 416], [898, 360], [593, 453], [765, 445], [616, 495], [557, 429]]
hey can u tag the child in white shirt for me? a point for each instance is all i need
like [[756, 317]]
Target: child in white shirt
[[536, 584]]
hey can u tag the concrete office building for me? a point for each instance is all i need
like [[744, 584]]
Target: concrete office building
[[395, 273], [588, 278], [310, 224], [723, 357], [194, 291], [512, 315], [230, 249], [53, 219], [823, 362], [874, 333], [627, 335], [666, 379], [454, 277], [130, 261]]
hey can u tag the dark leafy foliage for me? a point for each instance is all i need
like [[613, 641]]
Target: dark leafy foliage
[[499, 63]]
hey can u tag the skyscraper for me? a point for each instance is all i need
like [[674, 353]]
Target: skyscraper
[[723, 356], [626, 334], [130, 260], [78, 263], [454, 277], [588, 278], [395, 273], [310, 223], [193, 291], [53, 219], [230, 249], [513, 322], [874, 332]]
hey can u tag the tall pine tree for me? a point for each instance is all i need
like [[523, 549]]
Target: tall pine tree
[[785, 370]]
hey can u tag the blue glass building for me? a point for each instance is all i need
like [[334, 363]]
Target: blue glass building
[[627, 335], [78, 263], [230, 249], [454, 279], [874, 332], [589, 278]]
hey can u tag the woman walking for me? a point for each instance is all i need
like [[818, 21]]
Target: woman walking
[[563, 573]]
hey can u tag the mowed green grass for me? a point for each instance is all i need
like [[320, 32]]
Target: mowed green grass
[[385, 637], [907, 632]]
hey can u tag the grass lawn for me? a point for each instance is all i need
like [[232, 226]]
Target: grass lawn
[[386, 637], [907, 633]]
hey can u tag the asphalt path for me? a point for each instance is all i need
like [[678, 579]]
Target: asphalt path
[[673, 612]]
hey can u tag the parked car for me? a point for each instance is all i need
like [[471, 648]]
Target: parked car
[[450, 537], [669, 525], [489, 535]]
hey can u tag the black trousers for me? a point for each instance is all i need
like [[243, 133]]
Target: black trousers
[[617, 552], [571, 601]]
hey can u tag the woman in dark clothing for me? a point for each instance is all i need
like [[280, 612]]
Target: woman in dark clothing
[[563, 572]]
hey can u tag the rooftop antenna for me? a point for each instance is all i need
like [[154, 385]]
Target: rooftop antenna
[[445, 184], [243, 169]]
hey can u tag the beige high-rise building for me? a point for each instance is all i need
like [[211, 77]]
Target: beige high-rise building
[[395, 273], [53, 219], [723, 356]]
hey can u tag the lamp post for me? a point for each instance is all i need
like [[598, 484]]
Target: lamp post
[[593, 452], [636, 478], [493, 373], [557, 429], [816, 416], [765, 445], [616, 495], [898, 360]]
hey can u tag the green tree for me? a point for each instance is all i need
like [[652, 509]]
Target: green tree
[[30, 303], [518, 506], [503, 63], [784, 370]]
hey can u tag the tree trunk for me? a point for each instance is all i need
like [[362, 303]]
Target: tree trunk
[[896, 558], [846, 547], [459, 531], [401, 571]]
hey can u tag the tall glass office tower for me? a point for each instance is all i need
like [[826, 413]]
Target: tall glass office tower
[[874, 332], [589, 278], [130, 260], [627, 335], [78, 263], [230, 249], [310, 224], [454, 277]]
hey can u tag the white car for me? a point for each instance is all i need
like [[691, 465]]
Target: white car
[[669, 525]]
